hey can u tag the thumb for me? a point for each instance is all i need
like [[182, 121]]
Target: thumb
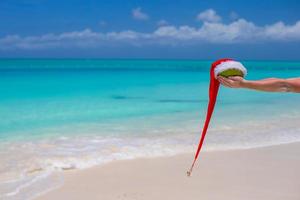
[[235, 78]]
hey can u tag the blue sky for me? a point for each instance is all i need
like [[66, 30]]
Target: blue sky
[[257, 29]]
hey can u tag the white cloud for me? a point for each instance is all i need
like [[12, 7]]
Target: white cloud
[[280, 31], [239, 31], [139, 15], [208, 15]]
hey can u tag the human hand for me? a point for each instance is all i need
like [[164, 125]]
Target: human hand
[[232, 81]]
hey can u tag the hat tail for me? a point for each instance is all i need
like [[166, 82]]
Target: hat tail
[[213, 92], [214, 87]]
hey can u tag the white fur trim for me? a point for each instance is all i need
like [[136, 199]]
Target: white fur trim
[[229, 65]]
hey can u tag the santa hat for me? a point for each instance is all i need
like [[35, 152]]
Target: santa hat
[[223, 67], [234, 68]]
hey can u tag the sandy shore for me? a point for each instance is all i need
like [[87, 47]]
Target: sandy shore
[[256, 174]]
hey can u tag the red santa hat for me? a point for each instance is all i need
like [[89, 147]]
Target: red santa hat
[[217, 68]]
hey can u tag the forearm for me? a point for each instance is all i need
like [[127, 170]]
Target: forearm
[[272, 85], [267, 85]]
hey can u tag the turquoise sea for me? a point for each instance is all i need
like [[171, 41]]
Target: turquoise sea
[[60, 114]]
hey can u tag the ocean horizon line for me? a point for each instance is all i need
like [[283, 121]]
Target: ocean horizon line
[[133, 64]]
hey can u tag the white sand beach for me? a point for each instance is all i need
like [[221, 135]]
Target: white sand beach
[[267, 173]]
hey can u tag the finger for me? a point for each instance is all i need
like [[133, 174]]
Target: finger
[[220, 79], [223, 79], [234, 78], [227, 81], [224, 83], [228, 85], [231, 77]]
